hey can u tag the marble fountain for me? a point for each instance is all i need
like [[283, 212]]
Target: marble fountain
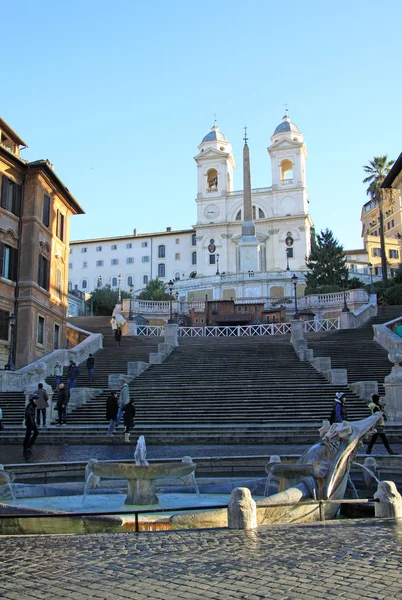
[[120, 487]]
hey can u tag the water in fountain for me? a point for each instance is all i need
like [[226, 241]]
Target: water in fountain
[[91, 480], [140, 454], [352, 485], [192, 482], [267, 485], [366, 469]]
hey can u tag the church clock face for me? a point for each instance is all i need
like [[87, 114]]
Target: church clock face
[[211, 212]]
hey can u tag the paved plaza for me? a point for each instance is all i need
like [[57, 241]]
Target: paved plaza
[[343, 559]]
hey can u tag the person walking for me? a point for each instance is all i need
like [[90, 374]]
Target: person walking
[[30, 422], [42, 403], [128, 419], [114, 324], [73, 372], [91, 368], [339, 414], [117, 336], [112, 408], [58, 373], [123, 399], [63, 398], [376, 406]]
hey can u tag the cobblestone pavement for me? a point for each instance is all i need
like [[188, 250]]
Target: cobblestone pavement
[[13, 454], [353, 560]]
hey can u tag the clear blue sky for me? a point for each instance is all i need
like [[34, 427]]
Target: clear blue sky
[[119, 94]]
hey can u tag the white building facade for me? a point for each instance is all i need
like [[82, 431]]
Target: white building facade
[[202, 259]]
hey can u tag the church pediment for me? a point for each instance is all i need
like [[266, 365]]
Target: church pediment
[[285, 145], [213, 154]]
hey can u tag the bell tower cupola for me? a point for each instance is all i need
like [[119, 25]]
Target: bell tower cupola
[[288, 156], [215, 164]]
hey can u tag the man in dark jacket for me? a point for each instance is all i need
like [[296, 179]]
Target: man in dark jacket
[[30, 423], [91, 368], [72, 374], [62, 400]]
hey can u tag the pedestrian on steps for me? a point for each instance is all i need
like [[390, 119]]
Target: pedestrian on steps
[[117, 336], [63, 398], [112, 409], [73, 372], [339, 414], [129, 414], [30, 422], [123, 399], [58, 373], [114, 324], [91, 368], [42, 403], [376, 406]]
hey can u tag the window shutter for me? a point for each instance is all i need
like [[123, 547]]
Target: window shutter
[[13, 264], [17, 199], [4, 191]]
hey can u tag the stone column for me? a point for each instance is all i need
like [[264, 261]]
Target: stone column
[[297, 337], [393, 387], [242, 511], [172, 334], [390, 501]]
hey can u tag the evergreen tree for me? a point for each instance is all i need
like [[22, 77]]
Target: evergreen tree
[[155, 290], [104, 299], [326, 262]]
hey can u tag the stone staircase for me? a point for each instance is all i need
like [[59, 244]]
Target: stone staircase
[[356, 351]]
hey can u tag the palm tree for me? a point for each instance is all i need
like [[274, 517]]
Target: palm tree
[[378, 169], [155, 290]]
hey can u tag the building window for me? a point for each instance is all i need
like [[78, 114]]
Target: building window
[[289, 252], [144, 244], [113, 247], [255, 308], [99, 248], [70, 265], [46, 210], [376, 251], [212, 259], [177, 276], [194, 258], [378, 271], [11, 196], [43, 272], [99, 263], [161, 270], [177, 256], [195, 320], [201, 320], [114, 282], [238, 216], [60, 226], [70, 286], [84, 265], [177, 240], [83, 250], [161, 251], [390, 224], [128, 246], [239, 309], [393, 254], [58, 284], [4, 324], [145, 259], [130, 260], [194, 239], [129, 280], [56, 337], [145, 280], [115, 261], [84, 284], [245, 308], [8, 262], [41, 330]]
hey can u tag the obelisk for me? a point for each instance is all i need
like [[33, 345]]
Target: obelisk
[[248, 243]]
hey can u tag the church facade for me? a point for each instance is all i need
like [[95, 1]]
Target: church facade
[[207, 259]]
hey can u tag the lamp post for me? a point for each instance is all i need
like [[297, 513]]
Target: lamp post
[[11, 321], [170, 286], [119, 281], [287, 259], [372, 290], [217, 264], [130, 312], [100, 281], [294, 281], [345, 306]]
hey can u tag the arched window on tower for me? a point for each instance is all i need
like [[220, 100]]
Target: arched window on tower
[[212, 180], [161, 251], [84, 284], [259, 212], [114, 282], [238, 216], [194, 258], [161, 270], [287, 171]]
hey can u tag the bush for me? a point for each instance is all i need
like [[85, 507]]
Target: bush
[[393, 295]]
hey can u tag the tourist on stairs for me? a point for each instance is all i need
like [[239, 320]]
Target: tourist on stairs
[[73, 372], [91, 368], [339, 414], [123, 399], [42, 403], [58, 372], [117, 336], [30, 422], [376, 406], [129, 413], [62, 400], [112, 408]]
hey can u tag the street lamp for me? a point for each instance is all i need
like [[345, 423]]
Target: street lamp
[[294, 281], [287, 259], [170, 286], [119, 281], [11, 321], [345, 306], [372, 289], [130, 312], [100, 281], [217, 264]]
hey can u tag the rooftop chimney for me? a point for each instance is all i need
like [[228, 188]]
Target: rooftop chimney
[[134, 232], [168, 229]]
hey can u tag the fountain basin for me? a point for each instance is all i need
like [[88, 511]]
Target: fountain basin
[[141, 479]]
